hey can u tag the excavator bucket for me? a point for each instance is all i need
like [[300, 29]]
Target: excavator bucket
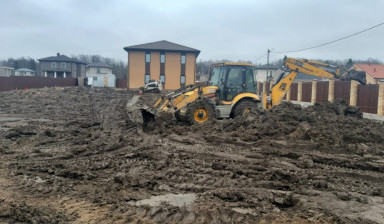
[[357, 76]]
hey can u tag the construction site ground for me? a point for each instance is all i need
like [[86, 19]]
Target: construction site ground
[[76, 155]]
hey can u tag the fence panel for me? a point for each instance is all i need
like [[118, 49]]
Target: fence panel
[[343, 90], [307, 92], [322, 91], [11, 83], [294, 92], [121, 83], [367, 98]]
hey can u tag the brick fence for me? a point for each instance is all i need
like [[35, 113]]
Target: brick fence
[[370, 98]]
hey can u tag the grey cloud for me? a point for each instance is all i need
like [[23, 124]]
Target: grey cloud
[[235, 30]]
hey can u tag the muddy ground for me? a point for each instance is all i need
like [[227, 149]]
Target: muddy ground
[[75, 155]]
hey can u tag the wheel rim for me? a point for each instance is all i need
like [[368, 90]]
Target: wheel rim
[[201, 115]]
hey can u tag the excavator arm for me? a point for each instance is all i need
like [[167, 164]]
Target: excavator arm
[[295, 66]]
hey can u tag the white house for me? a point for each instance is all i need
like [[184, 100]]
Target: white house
[[25, 72], [6, 71], [101, 80], [261, 73], [98, 68]]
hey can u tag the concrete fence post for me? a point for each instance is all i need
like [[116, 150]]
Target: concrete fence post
[[331, 90], [380, 103], [258, 87], [264, 86], [314, 92], [299, 91], [289, 94], [353, 94]]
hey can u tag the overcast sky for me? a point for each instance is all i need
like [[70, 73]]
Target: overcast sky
[[221, 29]]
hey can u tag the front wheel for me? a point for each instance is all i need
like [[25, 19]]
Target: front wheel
[[245, 107], [200, 111]]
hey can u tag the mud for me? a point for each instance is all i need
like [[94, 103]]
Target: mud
[[75, 155]]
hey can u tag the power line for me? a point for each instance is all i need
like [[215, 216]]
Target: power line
[[261, 57], [330, 42]]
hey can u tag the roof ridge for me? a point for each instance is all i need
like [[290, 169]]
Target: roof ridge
[[162, 45]]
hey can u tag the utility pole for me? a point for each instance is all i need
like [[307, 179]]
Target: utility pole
[[266, 76]]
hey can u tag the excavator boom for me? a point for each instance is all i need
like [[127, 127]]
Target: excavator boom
[[314, 68]]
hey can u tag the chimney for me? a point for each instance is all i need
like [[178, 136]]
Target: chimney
[[374, 69], [58, 54]]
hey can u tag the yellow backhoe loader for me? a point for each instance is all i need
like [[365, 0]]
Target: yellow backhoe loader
[[231, 91]]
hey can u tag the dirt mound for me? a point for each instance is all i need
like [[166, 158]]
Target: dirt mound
[[77, 155], [328, 124]]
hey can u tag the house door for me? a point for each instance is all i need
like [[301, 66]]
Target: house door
[[105, 81]]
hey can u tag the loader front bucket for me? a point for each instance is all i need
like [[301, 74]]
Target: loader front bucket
[[135, 105], [148, 116]]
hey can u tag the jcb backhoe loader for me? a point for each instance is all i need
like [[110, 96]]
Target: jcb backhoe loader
[[231, 92]]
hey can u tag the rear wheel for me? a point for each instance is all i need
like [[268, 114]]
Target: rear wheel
[[245, 107], [200, 111]]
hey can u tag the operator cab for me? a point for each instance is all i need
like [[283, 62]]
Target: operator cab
[[232, 79]]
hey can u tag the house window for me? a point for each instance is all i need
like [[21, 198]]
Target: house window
[[63, 65], [182, 80], [162, 58], [94, 78], [53, 65], [162, 78], [147, 78], [98, 70], [147, 57], [183, 59]]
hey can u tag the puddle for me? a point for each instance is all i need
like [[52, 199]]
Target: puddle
[[179, 200]]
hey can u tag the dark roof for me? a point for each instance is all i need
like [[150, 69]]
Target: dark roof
[[99, 64], [61, 58], [162, 46]]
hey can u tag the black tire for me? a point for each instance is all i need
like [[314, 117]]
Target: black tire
[[200, 111], [246, 106]]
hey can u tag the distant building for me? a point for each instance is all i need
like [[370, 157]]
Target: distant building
[[201, 77], [25, 72], [261, 73], [7, 71], [101, 80], [173, 64], [98, 68], [61, 66], [374, 72]]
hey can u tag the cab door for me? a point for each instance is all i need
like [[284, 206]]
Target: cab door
[[233, 83], [239, 80], [249, 81]]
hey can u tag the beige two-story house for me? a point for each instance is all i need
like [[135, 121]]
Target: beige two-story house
[[173, 64]]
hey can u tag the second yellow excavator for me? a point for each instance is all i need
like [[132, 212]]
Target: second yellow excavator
[[232, 91]]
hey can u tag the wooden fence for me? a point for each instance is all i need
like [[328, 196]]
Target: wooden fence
[[370, 98]]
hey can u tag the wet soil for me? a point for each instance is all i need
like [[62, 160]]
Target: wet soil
[[76, 155]]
